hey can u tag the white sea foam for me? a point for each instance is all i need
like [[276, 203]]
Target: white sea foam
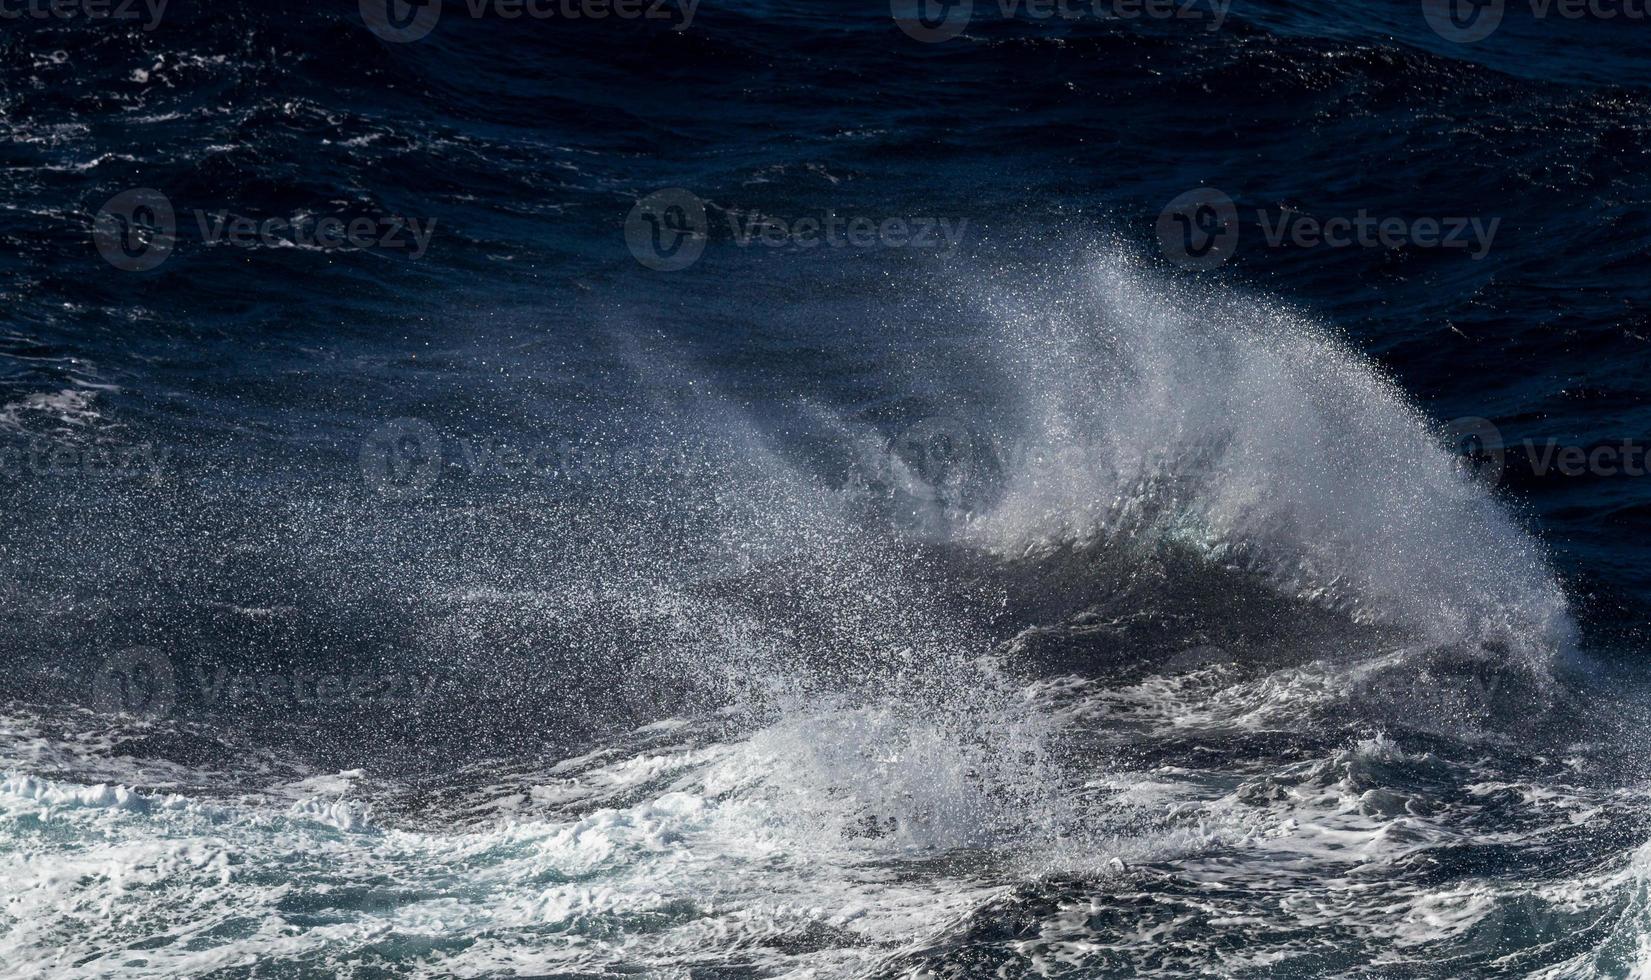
[[774, 848]]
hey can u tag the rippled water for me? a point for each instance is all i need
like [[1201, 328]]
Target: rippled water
[[760, 493]]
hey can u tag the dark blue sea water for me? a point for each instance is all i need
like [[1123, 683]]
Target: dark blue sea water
[[756, 488]]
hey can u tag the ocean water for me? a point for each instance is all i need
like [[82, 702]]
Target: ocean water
[[773, 489]]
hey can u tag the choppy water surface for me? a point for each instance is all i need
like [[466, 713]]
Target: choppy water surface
[[896, 551]]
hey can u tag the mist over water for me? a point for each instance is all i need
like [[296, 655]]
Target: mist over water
[[1186, 591], [1018, 604]]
